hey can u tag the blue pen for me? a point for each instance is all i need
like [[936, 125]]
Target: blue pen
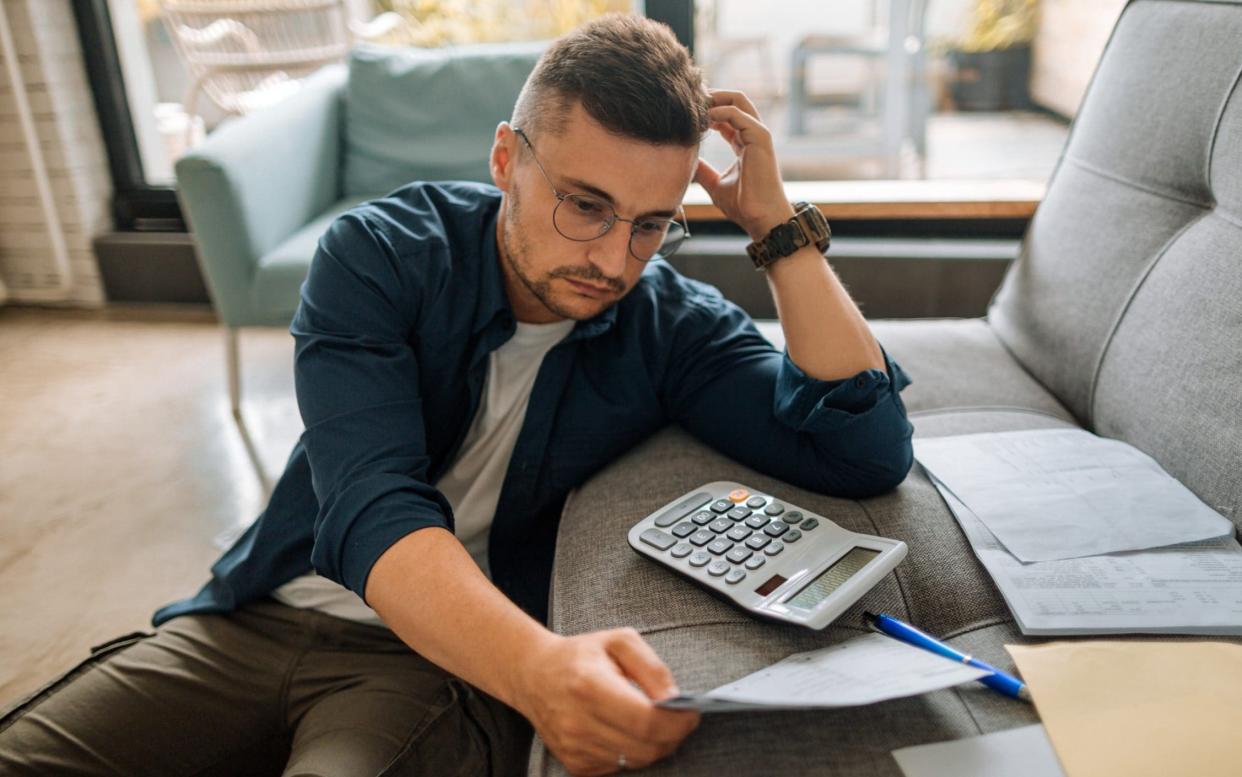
[[997, 681]]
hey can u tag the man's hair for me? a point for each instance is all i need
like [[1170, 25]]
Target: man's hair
[[629, 73]]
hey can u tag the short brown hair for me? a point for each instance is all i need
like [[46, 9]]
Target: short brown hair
[[629, 73]]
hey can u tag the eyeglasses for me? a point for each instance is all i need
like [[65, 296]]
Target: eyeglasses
[[583, 217]]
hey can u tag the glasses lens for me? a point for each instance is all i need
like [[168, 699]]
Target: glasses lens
[[582, 217], [652, 237]]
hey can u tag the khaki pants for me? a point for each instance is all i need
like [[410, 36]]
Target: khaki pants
[[267, 690]]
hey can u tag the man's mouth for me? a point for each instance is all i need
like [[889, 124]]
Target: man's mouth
[[588, 289]]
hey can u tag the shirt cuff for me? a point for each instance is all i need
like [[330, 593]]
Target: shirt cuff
[[806, 403]]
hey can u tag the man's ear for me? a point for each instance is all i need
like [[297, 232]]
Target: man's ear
[[503, 156]]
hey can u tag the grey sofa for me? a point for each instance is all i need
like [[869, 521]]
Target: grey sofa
[[1123, 315]]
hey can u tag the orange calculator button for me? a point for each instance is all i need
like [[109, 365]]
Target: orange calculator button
[[738, 495]]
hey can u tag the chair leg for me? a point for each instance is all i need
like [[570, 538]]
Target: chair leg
[[233, 361]]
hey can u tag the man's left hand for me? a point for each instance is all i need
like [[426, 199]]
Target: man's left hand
[[749, 192]]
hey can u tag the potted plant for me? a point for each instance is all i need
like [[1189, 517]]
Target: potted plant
[[991, 64]]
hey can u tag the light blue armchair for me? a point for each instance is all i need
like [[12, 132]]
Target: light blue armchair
[[262, 189]]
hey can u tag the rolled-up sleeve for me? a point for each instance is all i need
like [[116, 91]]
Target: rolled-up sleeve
[[730, 387], [357, 382]]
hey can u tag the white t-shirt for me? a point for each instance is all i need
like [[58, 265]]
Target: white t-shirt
[[472, 484]]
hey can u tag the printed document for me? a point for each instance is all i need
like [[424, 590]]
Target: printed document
[[863, 670], [1051, 494], [1194, 588]]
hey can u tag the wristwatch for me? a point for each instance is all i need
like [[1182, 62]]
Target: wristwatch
[[807, 226]]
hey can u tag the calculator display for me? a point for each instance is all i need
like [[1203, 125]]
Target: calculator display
[[832, 578]]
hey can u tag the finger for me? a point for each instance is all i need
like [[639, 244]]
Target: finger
[[748, 127], [733, 97], [707, 176], [641, 663]]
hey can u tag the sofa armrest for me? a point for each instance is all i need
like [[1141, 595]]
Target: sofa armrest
[[255, 181]]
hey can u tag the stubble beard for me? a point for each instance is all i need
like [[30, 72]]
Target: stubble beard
[[518, 250]]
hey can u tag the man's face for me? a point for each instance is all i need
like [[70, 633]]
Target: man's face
[[549, 277]]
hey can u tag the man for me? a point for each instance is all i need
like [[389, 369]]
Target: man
[[466, 355]]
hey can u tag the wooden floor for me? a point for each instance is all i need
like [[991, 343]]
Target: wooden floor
[[121, 471]]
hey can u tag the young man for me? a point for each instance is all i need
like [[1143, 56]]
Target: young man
[[466, 355]]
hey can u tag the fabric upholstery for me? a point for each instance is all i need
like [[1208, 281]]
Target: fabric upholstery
[[281, 271], [1124, 300], [428, 114], [254, 182]]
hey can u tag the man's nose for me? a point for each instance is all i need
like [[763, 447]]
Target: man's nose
[[611, 251]]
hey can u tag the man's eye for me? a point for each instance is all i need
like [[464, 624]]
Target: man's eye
[[651, 227], [587, 206]]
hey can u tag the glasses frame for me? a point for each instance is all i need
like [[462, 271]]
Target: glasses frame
[[609, 222]]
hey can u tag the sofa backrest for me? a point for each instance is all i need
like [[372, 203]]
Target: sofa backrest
[[427, 114], [1126, 301]]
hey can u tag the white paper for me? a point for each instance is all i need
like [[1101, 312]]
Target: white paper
[[864, 670], [1051, 494], [1018, 752], [1194, 588]]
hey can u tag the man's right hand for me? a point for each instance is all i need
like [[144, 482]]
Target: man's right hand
[[579, 693]]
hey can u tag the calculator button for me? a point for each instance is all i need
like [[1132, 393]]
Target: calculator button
[[720, 525], [792, 536], [792, 517], [739, 554], [701, 537], [681, 550], [722, 506], [738, 533], [658, 539], [776, 528], [755, 562], [703, 517], [720, 546], [776, 508], [756, 521], [683, 529], [735, 576], [739, 495], [700, 558], [758, 541], [678, 511], [809, 523], [774, 548], [755, 502], [738, 513], [718, 567]]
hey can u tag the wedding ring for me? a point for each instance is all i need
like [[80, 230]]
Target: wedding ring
[[622, 764]]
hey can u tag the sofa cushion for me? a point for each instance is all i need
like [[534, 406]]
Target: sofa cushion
[[278, 278], [599, 583], [428, 114], [1124, 299]]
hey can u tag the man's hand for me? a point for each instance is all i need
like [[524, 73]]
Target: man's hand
[[578, 694], [749, 192]]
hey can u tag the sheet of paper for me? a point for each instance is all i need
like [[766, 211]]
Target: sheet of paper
[[863, 670], [1194, 588], [1140, 709], [1018, 752], [1051, 494]]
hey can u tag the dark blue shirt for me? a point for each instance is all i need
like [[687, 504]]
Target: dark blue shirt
[[405, 300]]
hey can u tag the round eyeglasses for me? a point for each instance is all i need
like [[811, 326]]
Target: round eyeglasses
[[583, 217]]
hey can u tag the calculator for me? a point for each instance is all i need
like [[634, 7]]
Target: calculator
[[771, 558]]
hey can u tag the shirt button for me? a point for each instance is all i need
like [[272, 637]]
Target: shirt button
[[860, 382]]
